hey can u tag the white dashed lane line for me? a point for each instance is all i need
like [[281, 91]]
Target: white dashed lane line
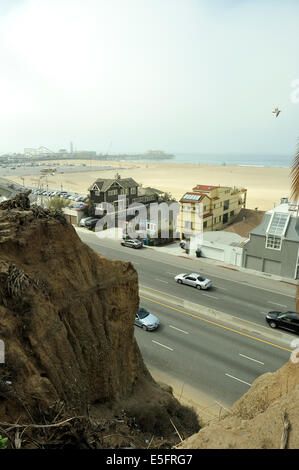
[[251, 359], [178, 329], [163, 345], [275, 303], [161, 280], [209, 295], [239, 380]]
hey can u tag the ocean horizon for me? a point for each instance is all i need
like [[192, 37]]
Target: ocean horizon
[[271, 161]]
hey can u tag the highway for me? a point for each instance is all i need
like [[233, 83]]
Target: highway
[[221, 362]]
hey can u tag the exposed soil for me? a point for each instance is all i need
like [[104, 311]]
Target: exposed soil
[[72, 364]]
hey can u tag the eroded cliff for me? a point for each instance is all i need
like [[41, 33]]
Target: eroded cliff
[[67, 321]]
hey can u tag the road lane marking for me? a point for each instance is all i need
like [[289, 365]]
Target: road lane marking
[[178, 329], [173, 274], [255, 360], [209, 295], [245, 283], [216, 324], [275, 303], [163, 345], [264, 313], [236, 378], [222, 288], [161, 280]]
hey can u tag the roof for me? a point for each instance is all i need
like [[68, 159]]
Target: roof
[[193, 197], [105, 183], [225, 238], [201, 187], [291, 229], [246, 220], [148, 191]]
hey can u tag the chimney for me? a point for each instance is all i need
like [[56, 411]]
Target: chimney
[[284, 200]]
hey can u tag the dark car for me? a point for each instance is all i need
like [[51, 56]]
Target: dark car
[[132, 242], [90, 224], [146, 320], [286, 320]]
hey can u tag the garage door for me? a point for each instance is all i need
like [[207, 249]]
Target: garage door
[[272, 267], [212, 253], [253, 262]]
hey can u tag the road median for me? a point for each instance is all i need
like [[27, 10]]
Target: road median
[[244, 326]]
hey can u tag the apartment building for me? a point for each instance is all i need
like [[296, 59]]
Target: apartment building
[[220, 205]]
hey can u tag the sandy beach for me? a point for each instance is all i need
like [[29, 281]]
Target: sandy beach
[[265, 186]]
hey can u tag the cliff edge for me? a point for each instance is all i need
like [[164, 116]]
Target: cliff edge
[[67, 322]]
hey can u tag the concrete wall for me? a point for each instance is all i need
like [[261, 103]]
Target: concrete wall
[[226, 253]]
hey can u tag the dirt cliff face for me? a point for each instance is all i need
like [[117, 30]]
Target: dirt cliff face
[[67, 320], [266, 417]]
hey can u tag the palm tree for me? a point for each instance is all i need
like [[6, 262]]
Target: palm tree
[[295, 197]]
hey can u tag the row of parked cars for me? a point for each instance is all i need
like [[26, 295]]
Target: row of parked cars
[[62, 194]]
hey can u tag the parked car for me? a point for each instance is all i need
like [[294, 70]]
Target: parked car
[[286, 320], [85, 219], [194, 279], [132, 242], [90, 224], [146, 320]]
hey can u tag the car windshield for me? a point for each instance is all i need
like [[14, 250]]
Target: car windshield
[[142, 313], [282, 315], [199, 278]]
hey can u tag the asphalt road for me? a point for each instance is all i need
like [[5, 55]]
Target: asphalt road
[[219, 362], [207, 356], [239, 294]]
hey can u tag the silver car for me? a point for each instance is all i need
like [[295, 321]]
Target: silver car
[[194, 280], [146, 320]]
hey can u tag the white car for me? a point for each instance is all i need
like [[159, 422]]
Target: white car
[[194, 280]]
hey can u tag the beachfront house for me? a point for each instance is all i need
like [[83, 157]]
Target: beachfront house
[[273, 246], [109, 190], [220, 206]]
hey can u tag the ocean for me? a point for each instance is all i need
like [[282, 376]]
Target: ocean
[[273, 161]]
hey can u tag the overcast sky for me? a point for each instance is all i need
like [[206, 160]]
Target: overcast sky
[[178, 75]]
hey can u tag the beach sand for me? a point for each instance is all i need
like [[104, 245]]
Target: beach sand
[[265, 186]]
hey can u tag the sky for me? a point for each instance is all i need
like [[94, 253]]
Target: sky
[[126, 76]]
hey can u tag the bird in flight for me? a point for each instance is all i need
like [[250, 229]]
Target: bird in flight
[[276, 111]]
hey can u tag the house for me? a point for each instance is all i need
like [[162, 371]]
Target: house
[[273, 246], [108, 190], [220, 207]]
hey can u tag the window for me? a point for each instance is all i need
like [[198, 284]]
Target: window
[[220, 218], [232, 213], [97, 193], [113, 192], [205, 224], [204, 208], [215, 220], [133, 190], [278, 224], [273, 242], [226, 205]]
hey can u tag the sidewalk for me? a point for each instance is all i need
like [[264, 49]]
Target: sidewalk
[[176, 250]]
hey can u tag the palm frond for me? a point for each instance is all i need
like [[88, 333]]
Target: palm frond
[[295, 177]]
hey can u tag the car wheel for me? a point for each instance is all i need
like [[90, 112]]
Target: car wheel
[[198, 287], [179, 281], [273, 324]]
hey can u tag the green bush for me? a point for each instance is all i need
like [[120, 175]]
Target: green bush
[[3, 441]]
